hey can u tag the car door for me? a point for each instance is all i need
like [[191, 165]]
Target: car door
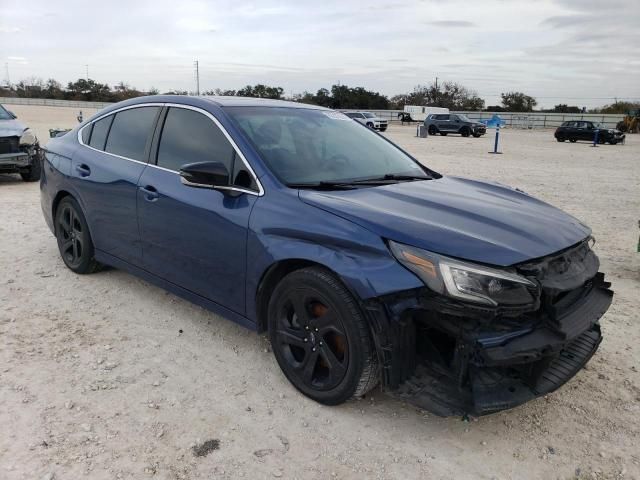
[[105, 172], [581, 132], [196, 237], [443, 123]]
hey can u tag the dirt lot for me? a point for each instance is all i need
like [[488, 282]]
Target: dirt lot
[[107, 377]]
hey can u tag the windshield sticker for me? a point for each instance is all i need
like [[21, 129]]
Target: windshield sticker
[[336, 116]]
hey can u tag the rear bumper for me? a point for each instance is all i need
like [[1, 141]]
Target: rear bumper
[[487, 366]]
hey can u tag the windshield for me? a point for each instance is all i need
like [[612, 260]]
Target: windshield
[[369, 115], [4, 115], [311, 146], [464, 118]]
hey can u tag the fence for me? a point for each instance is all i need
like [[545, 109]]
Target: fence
[[512, 119], [49, 102], [527, 120]]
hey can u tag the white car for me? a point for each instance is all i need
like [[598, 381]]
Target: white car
[[368, 119]]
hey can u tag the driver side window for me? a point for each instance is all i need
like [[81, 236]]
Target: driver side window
[[190, 137]]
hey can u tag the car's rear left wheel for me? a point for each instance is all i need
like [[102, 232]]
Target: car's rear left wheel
[[74, 240], [320, 338]]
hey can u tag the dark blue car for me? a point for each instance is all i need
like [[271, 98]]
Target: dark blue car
[[363, 266]]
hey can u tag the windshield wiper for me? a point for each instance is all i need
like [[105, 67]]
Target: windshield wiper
[[323, 185], [350, 184]]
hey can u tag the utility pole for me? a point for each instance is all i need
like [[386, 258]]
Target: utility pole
[[197, 77], [436, 94]]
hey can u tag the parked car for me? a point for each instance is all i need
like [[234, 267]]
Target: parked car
[[575, 130], [445, 123], [363, 265], [368, 119], [19, 148]]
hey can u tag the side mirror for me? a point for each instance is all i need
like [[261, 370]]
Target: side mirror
[[205, 175]]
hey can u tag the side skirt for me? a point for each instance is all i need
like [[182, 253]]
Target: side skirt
[[214, 307]]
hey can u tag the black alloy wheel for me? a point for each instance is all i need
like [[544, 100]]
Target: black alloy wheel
[[74, 240], [320, 338], [432, 130], [465, 132]]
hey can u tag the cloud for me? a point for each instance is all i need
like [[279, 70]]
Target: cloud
[[563, 21], [4, 29], [453, 23]]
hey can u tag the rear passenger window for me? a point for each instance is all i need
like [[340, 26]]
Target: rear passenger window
[[190, 137], [86, 134], [130, 132], [99, 132]]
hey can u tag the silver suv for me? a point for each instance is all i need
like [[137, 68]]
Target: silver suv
[[368, 119], [444, 123]]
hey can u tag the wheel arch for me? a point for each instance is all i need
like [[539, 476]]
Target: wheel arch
[[272, 277], [56, 201]]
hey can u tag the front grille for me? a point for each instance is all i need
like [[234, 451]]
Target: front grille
[[9, 145]]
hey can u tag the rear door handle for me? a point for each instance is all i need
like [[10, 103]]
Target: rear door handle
[[83, 170], [150, 193]]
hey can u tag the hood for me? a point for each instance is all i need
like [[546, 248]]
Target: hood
[[466, 219], [11, 128]]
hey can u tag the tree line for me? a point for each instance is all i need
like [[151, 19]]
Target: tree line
[[451, 95]]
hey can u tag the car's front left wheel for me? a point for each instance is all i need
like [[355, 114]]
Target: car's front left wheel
[[74, 240], [32, 173], [320, 337]]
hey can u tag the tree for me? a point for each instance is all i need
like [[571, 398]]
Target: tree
[[89, 90], [261, 91], [344, 97], [564, 108], [618, 107], [518, 102], [449, 95]]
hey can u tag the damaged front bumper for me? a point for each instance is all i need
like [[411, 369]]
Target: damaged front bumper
[[453, 358]]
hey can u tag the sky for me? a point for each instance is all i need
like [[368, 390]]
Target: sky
[[579, 52]]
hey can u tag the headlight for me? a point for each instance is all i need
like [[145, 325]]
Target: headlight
[[27, 138], [466, 281]]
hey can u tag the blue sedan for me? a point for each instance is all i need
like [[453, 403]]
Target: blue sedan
[[364, 266]]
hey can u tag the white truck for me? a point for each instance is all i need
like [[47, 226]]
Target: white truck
[[417, 113]]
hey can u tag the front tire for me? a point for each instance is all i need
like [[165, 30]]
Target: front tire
[[74, 240], [465, 132], [432, 130], [32, 174], [320, 337], [573, 140], [560, 139]]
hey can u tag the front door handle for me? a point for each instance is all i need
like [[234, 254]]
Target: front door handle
[[83, 170], [150, 193]]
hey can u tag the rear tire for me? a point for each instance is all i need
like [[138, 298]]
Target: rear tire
[[320, 337], [74, 240]]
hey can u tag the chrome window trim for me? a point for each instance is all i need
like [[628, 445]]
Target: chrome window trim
[[239, 153]]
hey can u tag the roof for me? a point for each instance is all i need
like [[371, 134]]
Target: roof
[[219, 101], [256, 102]]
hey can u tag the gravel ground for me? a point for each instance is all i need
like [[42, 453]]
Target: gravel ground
[[107, 377]]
